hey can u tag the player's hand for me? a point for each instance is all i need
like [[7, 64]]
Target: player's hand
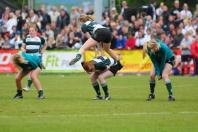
[[159, 77]]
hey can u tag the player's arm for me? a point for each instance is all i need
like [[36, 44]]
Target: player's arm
[[23, 47], [44, 45]]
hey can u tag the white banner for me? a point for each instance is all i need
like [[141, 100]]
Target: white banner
[[59, 62]]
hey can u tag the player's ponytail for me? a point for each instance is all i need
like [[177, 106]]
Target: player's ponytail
[[84, 18]]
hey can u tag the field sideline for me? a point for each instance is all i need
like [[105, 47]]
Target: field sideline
[[68, 106]]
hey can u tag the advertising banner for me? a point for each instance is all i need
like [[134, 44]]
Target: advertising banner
[[6, 64], [59, 62]]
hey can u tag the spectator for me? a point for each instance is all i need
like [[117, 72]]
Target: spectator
[[16, 42], [6, 43], [186, 13], [61, 40], [1, 41], [177, 38], [130, 43], [53, 14], [151, 11], [194, 52], [62, 20], [44, 17], [159, 11], [19, 20], [11, 22], [176, 9], [120, 42], [185, 52], [139, 40]]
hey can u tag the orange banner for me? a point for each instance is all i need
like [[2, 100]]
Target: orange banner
[[132, 61], [6, 65]]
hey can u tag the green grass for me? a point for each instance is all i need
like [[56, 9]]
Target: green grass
[[69, 108]]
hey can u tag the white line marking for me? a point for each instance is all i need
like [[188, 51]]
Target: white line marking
[[101, 115]]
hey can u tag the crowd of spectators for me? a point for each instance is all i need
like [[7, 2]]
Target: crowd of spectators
[[176, 26]]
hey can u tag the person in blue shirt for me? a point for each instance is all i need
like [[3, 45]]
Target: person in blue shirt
[[163, 60], [98, 35], [100, 68], [28, 63]]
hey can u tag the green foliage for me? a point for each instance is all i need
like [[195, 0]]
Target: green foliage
[[68, 106]]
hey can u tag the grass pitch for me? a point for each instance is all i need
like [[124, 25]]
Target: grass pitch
[[68, 106]]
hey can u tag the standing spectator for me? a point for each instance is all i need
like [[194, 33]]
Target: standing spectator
[[54, 14], [186, 13], [19, 20], [151, 11], [90, 10], [44, 18], [159, 11], [177, 38], [185, 52], [32, 17], [176, 9], [124, 7], [196, 11], [11, 22], [62, 20], [194, 52]]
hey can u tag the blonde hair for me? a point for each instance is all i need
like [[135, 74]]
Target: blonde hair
[[84, 18], [149, 45]]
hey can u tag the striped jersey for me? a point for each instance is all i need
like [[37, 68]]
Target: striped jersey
[[91, 27], [33, 44], [103, 62]]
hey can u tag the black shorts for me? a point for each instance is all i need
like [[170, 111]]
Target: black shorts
[[102, 35], [171, 61], [185, 58], [115, 68]]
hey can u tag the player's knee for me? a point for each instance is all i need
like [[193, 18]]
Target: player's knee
[[101, 78], [165, 76], [152, 76], [18, 78]]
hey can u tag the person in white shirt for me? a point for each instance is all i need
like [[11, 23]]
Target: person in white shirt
[[186, 13], [11, 22]]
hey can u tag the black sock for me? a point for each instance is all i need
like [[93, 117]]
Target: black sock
[[169, 88], [96, 88], [40, 92], [19, 92], [29, 83], [152, 86], [105, 89]]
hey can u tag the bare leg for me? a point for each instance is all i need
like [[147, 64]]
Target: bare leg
[[88, 44], [34, 76], [19, 77], [106, 47]]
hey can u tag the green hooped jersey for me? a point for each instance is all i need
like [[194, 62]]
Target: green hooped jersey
[[103, 62], [91, 27], [33, 44], [160, 57]]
